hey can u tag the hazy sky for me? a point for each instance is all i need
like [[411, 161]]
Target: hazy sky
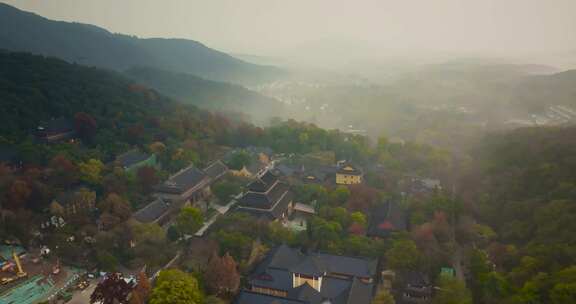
[[273, 27]]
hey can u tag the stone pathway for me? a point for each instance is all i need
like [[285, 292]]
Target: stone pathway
[[221, 210]]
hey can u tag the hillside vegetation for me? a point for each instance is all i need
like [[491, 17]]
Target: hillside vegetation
[[525, 188], [92, 45], [214, 95]]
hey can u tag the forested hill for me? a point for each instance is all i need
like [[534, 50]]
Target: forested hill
[[537, 92], [525, 182], [537, 162], [91, 45], [35, 89], [115, 112], [220, 96]]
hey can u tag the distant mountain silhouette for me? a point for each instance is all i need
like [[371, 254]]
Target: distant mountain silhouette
[[546, 90], [92, 45]]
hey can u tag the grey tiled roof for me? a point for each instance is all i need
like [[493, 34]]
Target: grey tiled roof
[[152, 211], [216, 169], [352, 266], [132, 157], [282, 205], [360, 292], [354, 171], [274, 278], [276, 271], [57, 125], [268, 178], [183, 181], [279, 257], [306, 293], [286, 170], [255, 166], [267, 193], [257, 186], [263, 183], [336, 288], [311, 266], [274, 202], [249, 297]]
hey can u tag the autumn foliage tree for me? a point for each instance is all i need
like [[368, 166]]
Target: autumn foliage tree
[[112, 290], [141, 291], [18, 194], [362, 198], [135, 133], [222, 277], [85, 126], [91, 171], [356, 229], [147, 178], [115, 210], [63, 172]]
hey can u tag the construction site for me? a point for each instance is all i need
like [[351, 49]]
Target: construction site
[[28, 278]]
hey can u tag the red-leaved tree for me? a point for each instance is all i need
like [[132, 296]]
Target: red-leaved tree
[[147, 178], [222, 277], [112, 290], [85, 126]]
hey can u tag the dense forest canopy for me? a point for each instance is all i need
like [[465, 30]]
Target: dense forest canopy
[[524, 183]]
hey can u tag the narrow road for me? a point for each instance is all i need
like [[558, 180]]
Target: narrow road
[[168, 265], [83, 297], [220, 210], [457, 263]]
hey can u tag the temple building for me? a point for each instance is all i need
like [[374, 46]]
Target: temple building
[[189, 185], [287, 275], [267, 197], [55, 130], [135, 159], [347, 174]]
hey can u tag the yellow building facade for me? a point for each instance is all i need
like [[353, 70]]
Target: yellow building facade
[[348, 175]]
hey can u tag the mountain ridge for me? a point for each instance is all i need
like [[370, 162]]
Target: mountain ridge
[[92, 45]]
